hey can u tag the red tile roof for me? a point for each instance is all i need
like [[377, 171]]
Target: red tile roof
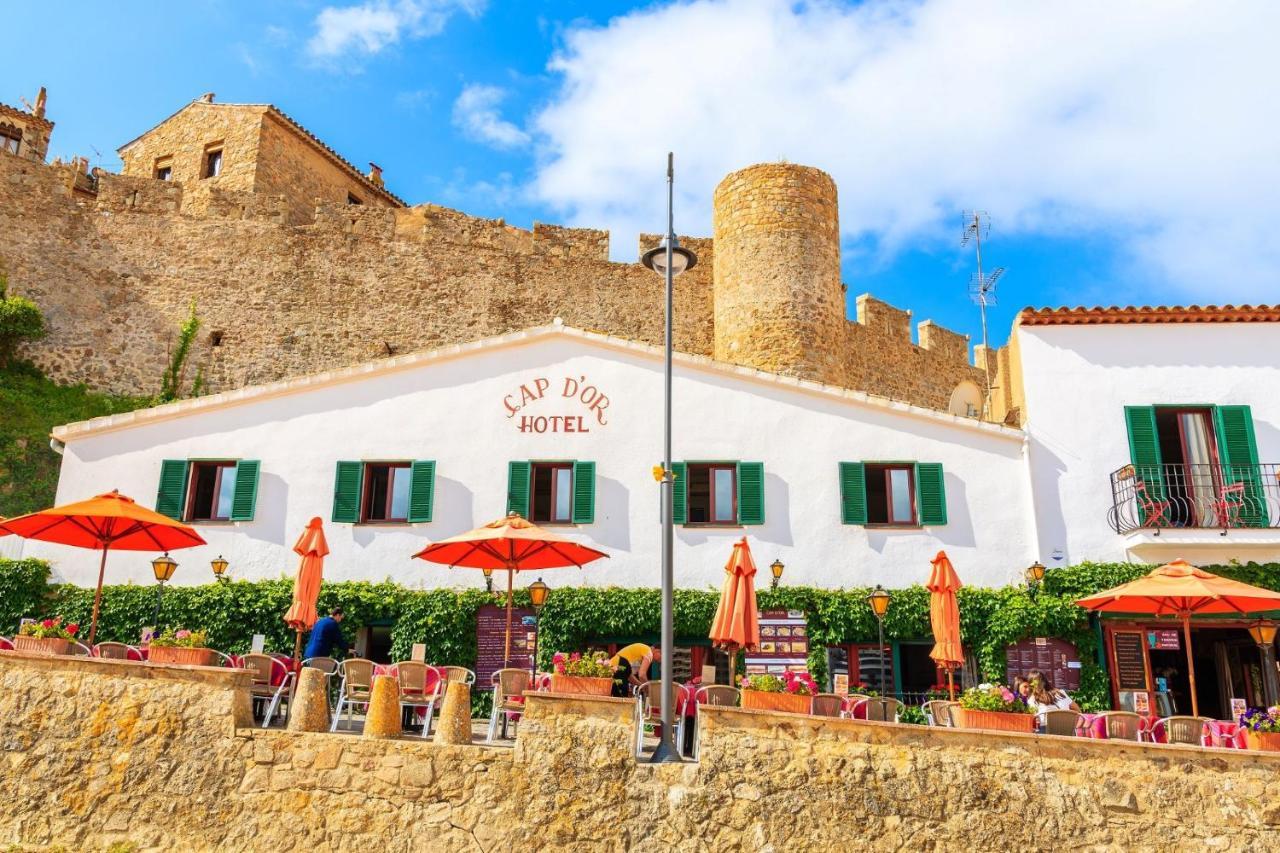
[[14, 112], [1081, 316]]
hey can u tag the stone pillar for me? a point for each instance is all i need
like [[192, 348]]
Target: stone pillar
[[383, 718], [309, 710], [455, 714], [779, 301]]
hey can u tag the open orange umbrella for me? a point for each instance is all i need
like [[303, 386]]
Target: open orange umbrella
[[107, 522], [510, 543], [737, 622], [1180, 589], [944, 616], [312, 547]]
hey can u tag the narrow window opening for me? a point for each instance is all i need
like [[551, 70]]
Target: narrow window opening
[[551, 493], [215, 339], [213, 163], [213, 485], [386, 492], [712, 494], [891, 495]]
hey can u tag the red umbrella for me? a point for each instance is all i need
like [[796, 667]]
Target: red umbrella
[[944, 617], [312, 548], [737, 622]]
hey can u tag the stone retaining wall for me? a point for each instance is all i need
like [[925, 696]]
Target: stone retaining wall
[[97, 752]]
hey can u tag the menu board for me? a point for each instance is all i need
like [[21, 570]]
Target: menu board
[[1164, 639], [784, 644], [491, 636], [1056, 658], [1131, 661]]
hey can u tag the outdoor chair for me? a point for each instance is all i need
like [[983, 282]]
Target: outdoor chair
[[328, 666], [458, 673], [827, 705], [116, 651], [712, 694], [882, 710], [1228, 505], [262, 688], [850, 702], [649, 709], [1060, 722], [79, 648], [6, 644], [1186, 730], [509, 686], [420, 687], [1155, 511], [937, 713], [356, 688], [1122, 725]]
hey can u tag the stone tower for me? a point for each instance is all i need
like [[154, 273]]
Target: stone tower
[[779, 302]]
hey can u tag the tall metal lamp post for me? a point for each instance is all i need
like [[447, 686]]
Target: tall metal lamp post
[[669, 260], [537, 597], [164, 567], [879, 600]]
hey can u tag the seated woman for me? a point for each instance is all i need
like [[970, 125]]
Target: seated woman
[[1021, 689], [1045, 697]]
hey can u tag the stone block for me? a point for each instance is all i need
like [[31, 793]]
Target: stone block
[[454, 726], [309, 711], [383, 717]]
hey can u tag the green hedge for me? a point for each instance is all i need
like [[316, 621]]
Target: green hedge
[[445, 620]]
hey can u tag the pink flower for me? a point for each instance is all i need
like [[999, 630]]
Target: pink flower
[[558, 657], [1005, 694], [576, 656], [48, 623], [182, 635], [72, 628]]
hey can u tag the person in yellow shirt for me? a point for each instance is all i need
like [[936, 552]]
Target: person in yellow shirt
[[631, 667]]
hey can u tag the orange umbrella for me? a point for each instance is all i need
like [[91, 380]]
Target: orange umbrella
[[107, 522], [312, 548], [737, 622], [510, 543], [1180, 589], [944, 616]]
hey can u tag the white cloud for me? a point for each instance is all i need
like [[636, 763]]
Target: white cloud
[[476, 114], [368, 28], [1149, 123]]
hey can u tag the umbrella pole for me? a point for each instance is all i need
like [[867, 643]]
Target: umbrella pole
[[1191, 664], [951, 683], [297, 650], [506, 658], [97, 595]]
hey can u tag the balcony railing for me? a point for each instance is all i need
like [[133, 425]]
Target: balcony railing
[[1223, 497]]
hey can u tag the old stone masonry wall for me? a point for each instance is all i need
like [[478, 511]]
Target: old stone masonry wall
[[97, 752], [117, 271]]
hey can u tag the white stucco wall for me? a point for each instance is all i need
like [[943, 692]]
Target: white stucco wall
[[1077, 381], [451, 410]]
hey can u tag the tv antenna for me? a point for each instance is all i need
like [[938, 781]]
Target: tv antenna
[[982, 287]]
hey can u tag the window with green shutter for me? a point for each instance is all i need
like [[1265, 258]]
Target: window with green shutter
[[750, 493], [584, 492], [348, 479], [679, 492], [1238, 455], [853, 493], [1144, 450], [422, 490], [893, 494], [931, 494], [171, 497], [244, 497], [552, 492], [518, 488]]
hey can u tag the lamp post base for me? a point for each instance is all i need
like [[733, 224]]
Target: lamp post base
[[666, 752]]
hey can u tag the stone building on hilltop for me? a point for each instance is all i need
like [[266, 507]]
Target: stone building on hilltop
[[26, 132]]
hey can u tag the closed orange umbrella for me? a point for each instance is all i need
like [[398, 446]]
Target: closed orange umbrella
[[944, 616], [737, 622], [312, 547], [512, 543], [107, 522], [1180, 589]]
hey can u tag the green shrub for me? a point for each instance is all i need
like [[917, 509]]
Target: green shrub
[[20, 320]]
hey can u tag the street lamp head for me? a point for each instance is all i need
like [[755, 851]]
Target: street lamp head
[[219, 566], [1263, 632], [776, 567], [538, 594], [163, 566], [488, 579], [879, 600], [681, 259], [1035, 572]]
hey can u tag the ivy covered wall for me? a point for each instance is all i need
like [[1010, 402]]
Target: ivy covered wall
[[445, 620]]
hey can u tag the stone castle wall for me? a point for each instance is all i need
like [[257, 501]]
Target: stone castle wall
[[116, 274], [100, 751]]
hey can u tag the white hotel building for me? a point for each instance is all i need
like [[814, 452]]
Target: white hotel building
[[1148, 434]]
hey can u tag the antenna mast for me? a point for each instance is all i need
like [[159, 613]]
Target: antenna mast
[[982, 288]]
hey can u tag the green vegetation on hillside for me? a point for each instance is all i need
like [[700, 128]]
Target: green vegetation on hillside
[[30, 406]]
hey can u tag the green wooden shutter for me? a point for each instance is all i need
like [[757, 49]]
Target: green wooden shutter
[[245, 497], [422, 489], [1144, 451], [680, 492], [347, 482], [751, 493], [584, 492], [853, 493], [931, 494], [518, 481], [171, 497], [1238, 453]]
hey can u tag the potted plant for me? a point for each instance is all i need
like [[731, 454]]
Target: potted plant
[[573, 673], [993, 707], [791, 693], [181, 647], [46, 637], [1262, 728]]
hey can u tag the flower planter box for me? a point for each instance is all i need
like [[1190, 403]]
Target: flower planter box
[[581, 684], [790, 703], [1264, 741], [996, 721], [180, 655], [42, 645]]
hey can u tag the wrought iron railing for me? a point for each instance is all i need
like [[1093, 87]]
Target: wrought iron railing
[[1224, 497]]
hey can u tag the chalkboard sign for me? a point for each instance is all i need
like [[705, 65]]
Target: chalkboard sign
[[1056, 658], [491, 638], [1131, 661]]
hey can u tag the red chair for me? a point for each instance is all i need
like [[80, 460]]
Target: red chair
[[1228, 505], [1155, 511]]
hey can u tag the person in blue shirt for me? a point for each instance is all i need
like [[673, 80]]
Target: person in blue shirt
[[326, 637]]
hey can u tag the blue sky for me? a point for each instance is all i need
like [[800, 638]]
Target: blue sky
[[1124, 154]]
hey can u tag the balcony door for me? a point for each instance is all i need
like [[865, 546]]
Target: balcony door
[[1189, 450]]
